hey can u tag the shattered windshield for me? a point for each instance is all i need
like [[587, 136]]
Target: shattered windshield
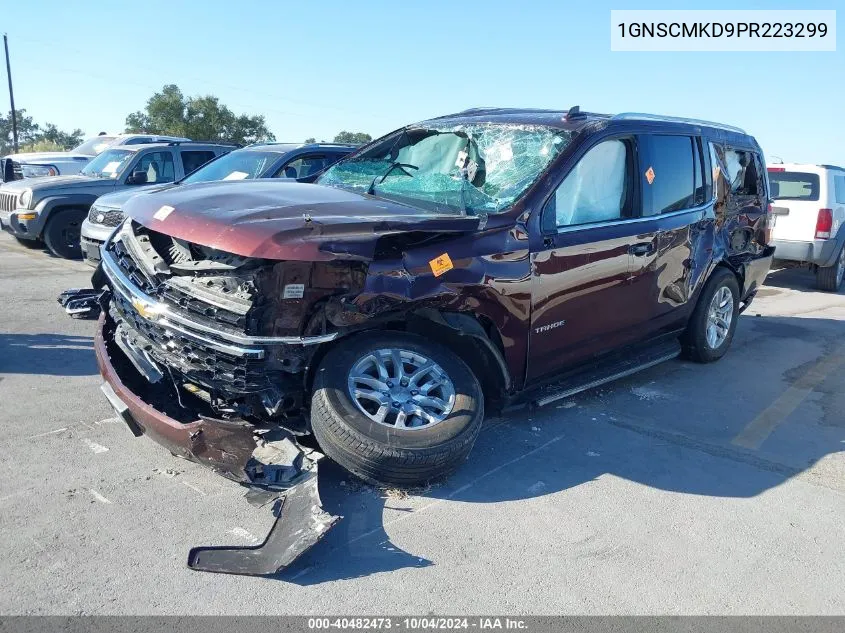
[[466, 169]]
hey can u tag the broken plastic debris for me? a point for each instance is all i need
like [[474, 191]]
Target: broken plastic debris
[[300, 523]]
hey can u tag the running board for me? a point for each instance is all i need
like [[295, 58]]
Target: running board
[[610, 371]]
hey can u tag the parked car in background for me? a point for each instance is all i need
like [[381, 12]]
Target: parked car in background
[[444, 270], [261, 160], [35, 164], [809, 212], [52, 209]]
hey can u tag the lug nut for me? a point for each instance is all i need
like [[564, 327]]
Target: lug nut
[[396, 405], [414, 392], [389, 383]]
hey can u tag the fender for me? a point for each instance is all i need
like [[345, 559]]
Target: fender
[[46, 206], [836, 244], [461, 324]]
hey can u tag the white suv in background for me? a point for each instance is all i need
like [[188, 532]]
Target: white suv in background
[[808, 203]]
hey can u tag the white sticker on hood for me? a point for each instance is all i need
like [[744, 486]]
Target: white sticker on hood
[[236, 175], [163, 212], [294, 291]]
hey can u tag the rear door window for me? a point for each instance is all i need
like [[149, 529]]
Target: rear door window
[[193, 159], [669, 178], [793, 185]]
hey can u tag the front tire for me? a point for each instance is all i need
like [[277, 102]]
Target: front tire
[[63, 232], [713, 323], [356, 420], [829, 278]]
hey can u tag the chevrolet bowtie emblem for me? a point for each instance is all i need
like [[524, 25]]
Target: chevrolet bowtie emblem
[[145, 309]]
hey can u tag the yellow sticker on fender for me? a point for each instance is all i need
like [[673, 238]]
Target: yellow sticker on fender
[[440, 265]]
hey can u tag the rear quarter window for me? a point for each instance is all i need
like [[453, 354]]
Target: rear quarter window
[[839, 188], [793, 185]]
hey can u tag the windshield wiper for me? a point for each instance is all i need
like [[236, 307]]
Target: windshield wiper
[[371, 190]]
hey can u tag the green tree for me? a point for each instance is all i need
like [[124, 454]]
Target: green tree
[[64, 140], [310, 139], [355, 138], [164, 114], [28, 131], [201, 118]]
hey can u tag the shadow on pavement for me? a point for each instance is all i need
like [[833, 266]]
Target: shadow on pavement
[[799, 278], [47, 354], [532, 454]]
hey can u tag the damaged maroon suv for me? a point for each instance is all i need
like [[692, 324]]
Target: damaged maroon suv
[[444, 270]]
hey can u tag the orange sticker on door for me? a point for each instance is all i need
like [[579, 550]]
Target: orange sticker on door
[[441, 264], [649, 175]]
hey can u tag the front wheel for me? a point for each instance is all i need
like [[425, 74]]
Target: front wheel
[[830, 277], [396, 408], [713, 323], [63, 232]]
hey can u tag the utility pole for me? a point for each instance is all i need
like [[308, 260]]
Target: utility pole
[[11, 95]]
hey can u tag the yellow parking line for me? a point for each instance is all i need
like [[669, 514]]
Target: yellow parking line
[[753, 435]]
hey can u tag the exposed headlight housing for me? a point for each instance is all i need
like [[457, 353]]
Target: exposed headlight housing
[[26, 199]]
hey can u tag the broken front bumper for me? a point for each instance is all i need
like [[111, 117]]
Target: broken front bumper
[[270, 459], [248, 454]]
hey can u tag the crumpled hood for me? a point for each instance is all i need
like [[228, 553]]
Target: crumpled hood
[[276, 219]]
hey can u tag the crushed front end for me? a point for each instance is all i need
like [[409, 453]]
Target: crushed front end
[[197, 354]]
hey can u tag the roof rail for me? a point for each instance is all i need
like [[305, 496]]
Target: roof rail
[[172, 143], [837, 167], [642, 116]]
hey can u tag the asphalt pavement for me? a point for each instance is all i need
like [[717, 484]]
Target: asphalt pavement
[[685, 489]]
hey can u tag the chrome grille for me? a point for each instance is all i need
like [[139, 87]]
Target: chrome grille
[[8, 201], [110, 217], [202, 363]]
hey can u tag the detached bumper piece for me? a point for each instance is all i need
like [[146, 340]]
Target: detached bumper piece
[[82, 303], [300, 523], [269, 461]]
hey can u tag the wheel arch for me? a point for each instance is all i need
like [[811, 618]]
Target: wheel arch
[[475, 341], [51, 205]]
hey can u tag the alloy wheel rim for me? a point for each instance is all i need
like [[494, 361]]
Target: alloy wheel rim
[[719, 317], [840, 266], [401, 389]]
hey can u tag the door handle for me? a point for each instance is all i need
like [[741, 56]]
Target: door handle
[[642, 248]]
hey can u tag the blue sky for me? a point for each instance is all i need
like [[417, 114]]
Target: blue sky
[[315, 68]]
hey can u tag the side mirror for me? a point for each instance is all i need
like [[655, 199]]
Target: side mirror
[[138, 178]]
